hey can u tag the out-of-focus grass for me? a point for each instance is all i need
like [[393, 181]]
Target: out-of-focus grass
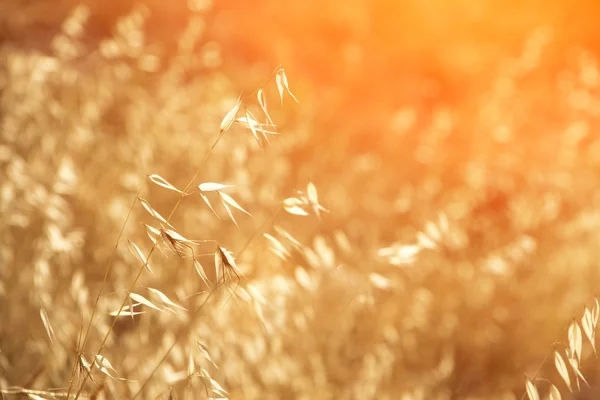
[[455, 149]]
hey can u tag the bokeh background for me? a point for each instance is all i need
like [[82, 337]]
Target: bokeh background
[[455, 145]]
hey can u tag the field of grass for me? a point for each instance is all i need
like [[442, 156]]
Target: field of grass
[[422, 223]]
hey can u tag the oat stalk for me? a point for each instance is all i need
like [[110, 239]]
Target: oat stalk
[[144, 266], [196, 314]]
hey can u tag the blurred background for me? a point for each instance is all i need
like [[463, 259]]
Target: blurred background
[[454, 145]]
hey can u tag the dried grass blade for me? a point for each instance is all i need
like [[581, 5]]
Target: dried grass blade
[[165, 299], [144, 301], [105, 367], [217, 388], [561, 367], [135, 250], [261, 127], [295, 210], [282, 84], [262, 101], [313, 198], [125, 312], [294, 205], [201, 273], [153, 233], [103, 364], [228, 258], [178, 237], [212, 187], [153, 212], [279, 82], [230, 214], [554, 393], [160, 181], [219, 263], [130, 307], [278, 247], [208, 203], [588, 328], [204, 351], [47, 325], [230, 116], [288, 236], [575, 365], [311, 192], [575, 340], [595, 313], [85, 364], [229, 200], [251, 124], [532, 391], [125, 308]]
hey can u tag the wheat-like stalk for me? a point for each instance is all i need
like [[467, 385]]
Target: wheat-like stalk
[[173, 238]]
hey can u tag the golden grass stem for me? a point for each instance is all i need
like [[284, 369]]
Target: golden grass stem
[[106, 273], [177, 338], [197, 313], [139, 274], [14, 391]]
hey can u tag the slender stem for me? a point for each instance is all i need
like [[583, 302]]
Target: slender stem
[[197, 313], [106, 273], [144, 266], [177, 338], [260, 228], [184, 194], [19, 390]]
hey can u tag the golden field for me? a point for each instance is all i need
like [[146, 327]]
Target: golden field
[[423, 223]]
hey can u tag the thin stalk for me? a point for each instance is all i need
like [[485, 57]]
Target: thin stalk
[[106, 273], [185, 194], [197, 313], [144, 266]]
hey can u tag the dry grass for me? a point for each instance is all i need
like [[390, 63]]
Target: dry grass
[[257, 250]]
